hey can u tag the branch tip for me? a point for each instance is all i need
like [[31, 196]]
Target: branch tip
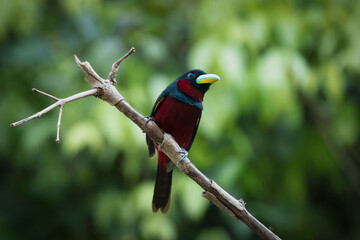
[[76, 58], [115, 66], [45, 94]]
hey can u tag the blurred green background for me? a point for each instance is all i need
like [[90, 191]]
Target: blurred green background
[[280, 130]]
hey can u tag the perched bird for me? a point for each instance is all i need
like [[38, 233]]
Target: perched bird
[[177, 111]]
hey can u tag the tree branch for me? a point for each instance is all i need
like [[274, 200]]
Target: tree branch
[[105, 90]]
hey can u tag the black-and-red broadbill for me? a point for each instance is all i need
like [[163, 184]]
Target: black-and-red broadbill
[[177, 111]]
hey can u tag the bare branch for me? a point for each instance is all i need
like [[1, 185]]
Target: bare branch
[[115, 66], [105, 90]]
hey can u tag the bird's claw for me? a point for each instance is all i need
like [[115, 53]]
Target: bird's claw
[[184, 154], [148, 119]]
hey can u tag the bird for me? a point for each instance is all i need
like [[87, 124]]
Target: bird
[[177, 111]]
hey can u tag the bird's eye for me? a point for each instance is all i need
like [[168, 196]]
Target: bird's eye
[[190, 76]]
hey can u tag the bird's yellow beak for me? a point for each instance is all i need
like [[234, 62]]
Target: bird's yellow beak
[[207, 78]]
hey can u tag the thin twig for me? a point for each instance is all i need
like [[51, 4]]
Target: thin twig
[[115, 66], [45, 94], [59, 123]]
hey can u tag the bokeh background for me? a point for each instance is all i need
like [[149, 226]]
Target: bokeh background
[[280, 130]]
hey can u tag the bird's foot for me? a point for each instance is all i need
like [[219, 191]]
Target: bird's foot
[[148, 119], [184, 154]]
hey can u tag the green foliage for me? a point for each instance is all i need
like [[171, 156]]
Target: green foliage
[[280, 130]]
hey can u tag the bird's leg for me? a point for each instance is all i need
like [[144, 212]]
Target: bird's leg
[[148, 119], [184, 154]]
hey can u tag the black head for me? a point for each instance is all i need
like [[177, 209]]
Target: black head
[[199, 79]]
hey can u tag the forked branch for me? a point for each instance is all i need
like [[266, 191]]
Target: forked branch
[[59, 103], [105, 90]]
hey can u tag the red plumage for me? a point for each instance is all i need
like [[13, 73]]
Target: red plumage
[[180, 121]]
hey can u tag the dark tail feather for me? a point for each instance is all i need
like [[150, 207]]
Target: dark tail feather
[[161, 198], [151, 146]]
